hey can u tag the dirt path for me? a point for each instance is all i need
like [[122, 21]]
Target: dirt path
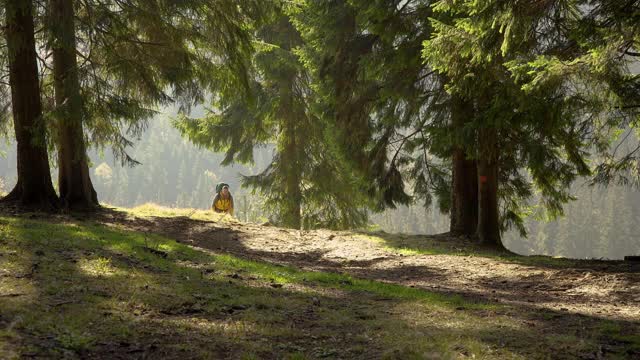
[[591, 288]]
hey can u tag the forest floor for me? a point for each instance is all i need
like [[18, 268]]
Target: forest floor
[[153, 282]]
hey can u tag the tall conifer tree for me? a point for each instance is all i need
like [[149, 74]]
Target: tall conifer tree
[[511, 129], [74, 182], [114, 63], [381, 101], [34, 187], [303, 185]]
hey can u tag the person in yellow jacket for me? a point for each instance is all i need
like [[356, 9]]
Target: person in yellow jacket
[[223, 201]]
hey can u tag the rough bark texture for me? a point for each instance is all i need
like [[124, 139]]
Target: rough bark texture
[[290, 113], [34, 187], [464, 187], [464, 205], [294, 192], [74, 182], [488, 231]]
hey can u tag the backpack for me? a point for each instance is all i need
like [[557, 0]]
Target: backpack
[[220, 186]]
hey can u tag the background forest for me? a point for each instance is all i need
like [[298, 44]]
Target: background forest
[[601, 223]]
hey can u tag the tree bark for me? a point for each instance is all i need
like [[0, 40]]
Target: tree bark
[[74, 182], [464, 196], [488, 231], [34, 187], [293, 217], [464, 187]]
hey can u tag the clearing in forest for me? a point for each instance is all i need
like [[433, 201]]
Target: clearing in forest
[[165, 283]]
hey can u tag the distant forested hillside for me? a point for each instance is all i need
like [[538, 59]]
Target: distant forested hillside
[[172, 172]]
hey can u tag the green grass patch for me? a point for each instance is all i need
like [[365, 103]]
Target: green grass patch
[[155, 210], [620, 334], [289, 275]]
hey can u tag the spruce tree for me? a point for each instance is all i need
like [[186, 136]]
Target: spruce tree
[[303, 185], [34, 187], [383, 104], [116, 62], [511, 128], [74, 182]]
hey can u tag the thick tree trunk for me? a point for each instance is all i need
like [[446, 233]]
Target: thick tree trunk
[[464, 196], [294, 192], [290, 114], [74, 182], [34, 187], [488, 231], [464, 187]]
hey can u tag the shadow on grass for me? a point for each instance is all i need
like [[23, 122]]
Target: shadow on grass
[[530, 287], [99, 294]]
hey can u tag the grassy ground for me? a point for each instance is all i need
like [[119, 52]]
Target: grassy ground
[[76, 289], [154, 210]]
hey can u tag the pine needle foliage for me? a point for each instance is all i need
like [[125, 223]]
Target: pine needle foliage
[[541, 143], [304, 185], [384, 103], [136, 56]]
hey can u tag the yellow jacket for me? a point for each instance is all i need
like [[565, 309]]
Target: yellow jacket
[[222, 205]]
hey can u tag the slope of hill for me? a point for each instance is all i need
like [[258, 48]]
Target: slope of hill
[[153, 282]]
